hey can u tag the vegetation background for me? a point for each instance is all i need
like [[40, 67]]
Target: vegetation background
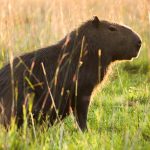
[[119, 115]]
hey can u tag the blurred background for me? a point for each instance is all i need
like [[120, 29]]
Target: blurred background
[[26, 25]]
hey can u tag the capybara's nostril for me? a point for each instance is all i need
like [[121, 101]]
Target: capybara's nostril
[[139, 43]]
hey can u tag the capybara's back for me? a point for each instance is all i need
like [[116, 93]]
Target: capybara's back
[[62, 77]]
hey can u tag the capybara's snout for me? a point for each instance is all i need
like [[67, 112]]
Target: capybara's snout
[[138, 42]]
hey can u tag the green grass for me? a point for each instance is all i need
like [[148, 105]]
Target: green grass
[[118, 118], [119, 115]]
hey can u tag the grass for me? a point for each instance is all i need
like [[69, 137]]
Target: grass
[[119, 115]]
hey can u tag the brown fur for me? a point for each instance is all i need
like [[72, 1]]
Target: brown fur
[[64, 75]]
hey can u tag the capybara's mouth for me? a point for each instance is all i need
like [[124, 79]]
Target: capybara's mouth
[[136, 53]]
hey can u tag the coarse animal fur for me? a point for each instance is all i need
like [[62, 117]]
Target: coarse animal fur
[[63, 76]]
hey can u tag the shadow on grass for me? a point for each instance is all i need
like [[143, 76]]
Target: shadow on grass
[[143, 67]]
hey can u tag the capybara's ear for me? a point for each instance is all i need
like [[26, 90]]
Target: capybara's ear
[[95, 21]]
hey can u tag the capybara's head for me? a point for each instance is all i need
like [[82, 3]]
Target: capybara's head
[[118, 41]]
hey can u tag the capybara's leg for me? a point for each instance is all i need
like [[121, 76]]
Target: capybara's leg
[[6, 109], [19, 115], [81, 110], [22, 100]]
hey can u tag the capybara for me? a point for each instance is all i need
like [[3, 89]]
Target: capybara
[[59, 79]]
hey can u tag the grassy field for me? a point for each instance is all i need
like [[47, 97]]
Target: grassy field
[[119, 115]]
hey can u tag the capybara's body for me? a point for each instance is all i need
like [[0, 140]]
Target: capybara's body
[[63, 76]]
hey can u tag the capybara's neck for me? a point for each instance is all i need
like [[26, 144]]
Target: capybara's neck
[[77, 43]]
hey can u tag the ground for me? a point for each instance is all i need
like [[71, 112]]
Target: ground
[[119, 115]]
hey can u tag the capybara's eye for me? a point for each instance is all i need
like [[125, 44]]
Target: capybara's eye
[[111, 28]]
